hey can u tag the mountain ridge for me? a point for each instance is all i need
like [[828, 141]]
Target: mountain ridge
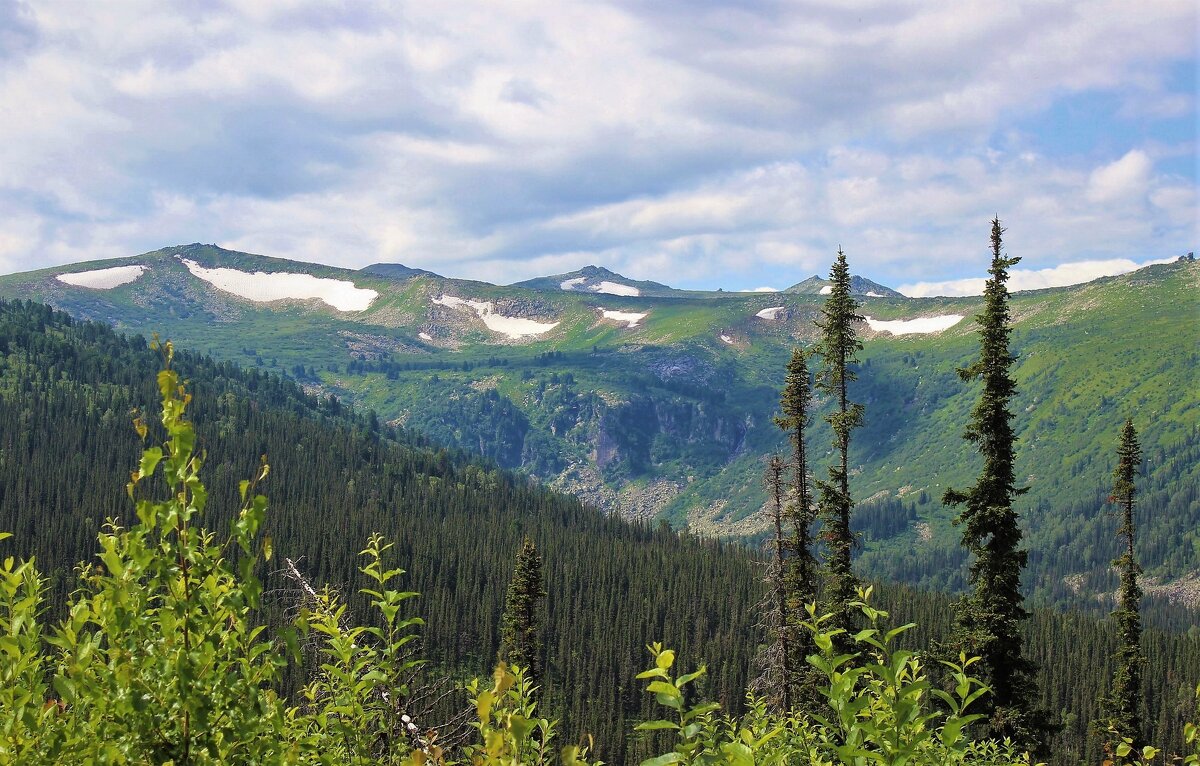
[[661, 406]]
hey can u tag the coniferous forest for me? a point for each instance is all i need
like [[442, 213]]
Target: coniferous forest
[[585, 383], [69, 392]]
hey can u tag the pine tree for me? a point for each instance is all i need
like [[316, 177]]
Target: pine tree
[[838, 349], [520, 628], [988, 620], [1121, 708]]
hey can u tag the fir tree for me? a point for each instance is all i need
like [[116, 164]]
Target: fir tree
[[520, 629], [838, 349], [1122, 716], [988, 620]]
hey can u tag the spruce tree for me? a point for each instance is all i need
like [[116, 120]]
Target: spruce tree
[[520, 629], [774, 661], [1121, 708], [988, 619], [838, 348], [800, 570]]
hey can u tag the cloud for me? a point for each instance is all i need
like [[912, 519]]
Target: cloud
[[701, 144], [1024, 279], [1124, 178]]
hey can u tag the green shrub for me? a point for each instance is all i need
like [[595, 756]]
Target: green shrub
[[879, 710]]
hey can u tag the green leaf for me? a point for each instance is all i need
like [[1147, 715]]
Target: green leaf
[[663, 760], [652, 673], [656, 726], [687, 678], [662, 687], [665, 658], [150, 461]]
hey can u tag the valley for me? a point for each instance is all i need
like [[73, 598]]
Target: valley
[[656, 403]]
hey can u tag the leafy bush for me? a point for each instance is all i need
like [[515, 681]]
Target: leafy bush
[[880, 710]]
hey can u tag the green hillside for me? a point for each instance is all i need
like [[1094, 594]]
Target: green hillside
[[66, 392], [665, 412]]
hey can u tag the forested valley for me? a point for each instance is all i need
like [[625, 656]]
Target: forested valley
[[67, 393]]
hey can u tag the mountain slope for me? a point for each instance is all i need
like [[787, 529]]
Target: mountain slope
[[66, 445], [662, 406]]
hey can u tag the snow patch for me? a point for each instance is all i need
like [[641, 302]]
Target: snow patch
[[616, 288], [578, 284], [911, 326], [513, 327], [262, 287], [875, 295], [771, 313], [424, 336], [103, 279], [624, 316], [827, 289], [727, 339]]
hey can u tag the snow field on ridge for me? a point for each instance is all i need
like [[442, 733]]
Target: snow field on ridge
[[513, 327], [103, 279], [624, 316], [914, 326], [263, 287]]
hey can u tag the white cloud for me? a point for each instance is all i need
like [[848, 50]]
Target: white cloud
[[1024, 279], [1126, 178], [666, 140]]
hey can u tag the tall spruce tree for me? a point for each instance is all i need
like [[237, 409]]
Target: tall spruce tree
[[775, 678], [988, 619], [801, 574], [838, 348], [520, 628], [800, 569], [1122, 717]]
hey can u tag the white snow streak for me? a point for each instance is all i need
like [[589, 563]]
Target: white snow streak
[[727, 339], [103, 279], [827, 289], [615, 288], [263, 287], [424, 336], [771, 313], [911, 326], [579, 284], [513, 327], [624, 316]]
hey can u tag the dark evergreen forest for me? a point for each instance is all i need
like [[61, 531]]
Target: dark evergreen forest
[[67, 393]]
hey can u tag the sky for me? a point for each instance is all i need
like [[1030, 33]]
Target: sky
[[698, 143]]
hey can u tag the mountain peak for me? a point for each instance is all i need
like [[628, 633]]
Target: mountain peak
[[597, 279], [816, 285], [396, 271]]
